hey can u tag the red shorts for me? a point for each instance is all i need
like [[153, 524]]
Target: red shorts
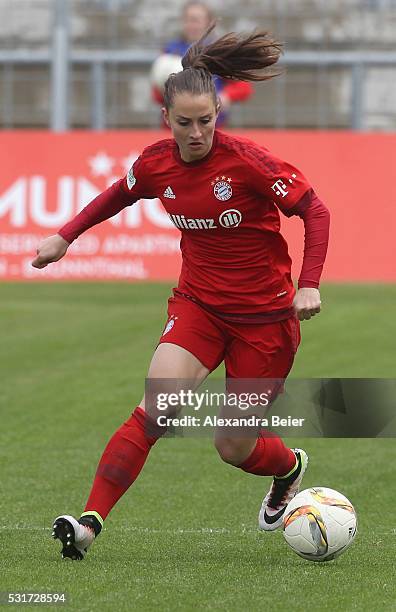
[[264, 350]]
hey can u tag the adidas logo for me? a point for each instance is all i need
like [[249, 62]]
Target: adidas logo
[[168, 193]]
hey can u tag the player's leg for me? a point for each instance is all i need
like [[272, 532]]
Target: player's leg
[[124, 456], [128, 449], [264, 352]]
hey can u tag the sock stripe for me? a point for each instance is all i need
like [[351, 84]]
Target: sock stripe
[[93, 513], [289, 473]]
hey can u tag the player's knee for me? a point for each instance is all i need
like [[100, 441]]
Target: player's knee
[[157, 404], [230, 450]]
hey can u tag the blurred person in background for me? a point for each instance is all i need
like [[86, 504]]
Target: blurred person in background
[[195, 19]]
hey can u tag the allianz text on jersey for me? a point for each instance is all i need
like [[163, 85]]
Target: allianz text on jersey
[[228, 219]]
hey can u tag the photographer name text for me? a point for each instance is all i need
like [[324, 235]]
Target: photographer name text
[[215, 421]]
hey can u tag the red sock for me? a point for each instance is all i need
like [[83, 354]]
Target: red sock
[[270, 457], [122, 460]]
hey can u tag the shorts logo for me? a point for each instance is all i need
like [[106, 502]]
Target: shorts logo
[[230, 218], [222, 188], [169, 325], [131, 180]]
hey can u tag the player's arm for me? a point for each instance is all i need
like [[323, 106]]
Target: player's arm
[[288, 188], [123, 193], [316, 218]]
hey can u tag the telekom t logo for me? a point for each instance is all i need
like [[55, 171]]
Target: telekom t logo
[[280, 187]]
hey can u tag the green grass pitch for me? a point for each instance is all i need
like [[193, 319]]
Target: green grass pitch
[[73, 359]]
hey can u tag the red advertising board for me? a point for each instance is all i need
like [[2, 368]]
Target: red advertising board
[[47, 178]]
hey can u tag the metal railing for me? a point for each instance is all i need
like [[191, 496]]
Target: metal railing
[[60, 61]]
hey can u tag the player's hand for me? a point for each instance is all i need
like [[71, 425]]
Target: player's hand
[[51, 249], [307, 303]]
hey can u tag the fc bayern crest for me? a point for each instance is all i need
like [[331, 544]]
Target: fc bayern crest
[[222, 188]]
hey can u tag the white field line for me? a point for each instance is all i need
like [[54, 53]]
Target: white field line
[[179, 531]]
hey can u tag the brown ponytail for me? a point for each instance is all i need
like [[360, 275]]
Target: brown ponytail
[[242, 57]]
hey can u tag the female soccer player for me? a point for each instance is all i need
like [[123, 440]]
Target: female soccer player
[[235, 301]]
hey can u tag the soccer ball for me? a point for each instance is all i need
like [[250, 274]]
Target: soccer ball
[[163, 66], [319, 524]]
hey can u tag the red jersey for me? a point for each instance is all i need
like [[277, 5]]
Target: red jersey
[[226, 206]]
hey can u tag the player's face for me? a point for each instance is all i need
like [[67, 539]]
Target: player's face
[[192, 119], [195, 21]]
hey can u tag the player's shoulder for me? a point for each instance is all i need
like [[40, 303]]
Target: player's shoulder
[[248, 151], [239, 144], [161, 148]]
